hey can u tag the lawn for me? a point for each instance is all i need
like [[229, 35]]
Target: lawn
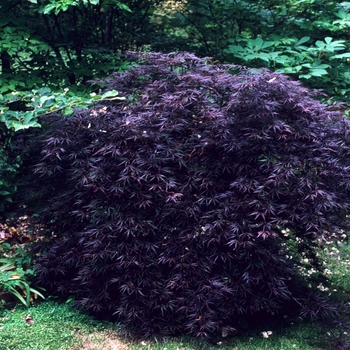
[[57, 326]]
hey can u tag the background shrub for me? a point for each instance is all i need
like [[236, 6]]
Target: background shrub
[[9, 166], [171, 207]]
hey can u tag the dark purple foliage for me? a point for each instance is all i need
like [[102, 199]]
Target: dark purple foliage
[[170, 204]]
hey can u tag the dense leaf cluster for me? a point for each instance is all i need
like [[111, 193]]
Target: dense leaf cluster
[[169, 205]]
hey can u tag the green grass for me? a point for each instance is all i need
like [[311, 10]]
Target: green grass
[[303, 336], [56, 326]]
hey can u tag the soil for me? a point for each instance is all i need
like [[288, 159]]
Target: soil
[[101, 341]]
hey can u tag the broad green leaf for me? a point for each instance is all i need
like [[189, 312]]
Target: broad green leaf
[[318, 72], [342, 55], [342, 14], [235, 49], [305, 76], [42, 99], [320, 65], [328, 39], [16, 125], [257, 43], [43, 91], [267, 44], [275, 54], [48, 8], [27, 117], [68, 111], [123, 6], [14, 114], [334, 45], [111, 93], [320, 44], [33, 124], [265, 57], [4, 193], [250, 57], [303, 40], [49, 102]]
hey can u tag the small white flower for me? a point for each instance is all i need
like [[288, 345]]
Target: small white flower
[[266, 334]]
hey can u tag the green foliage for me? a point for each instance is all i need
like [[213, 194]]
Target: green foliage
[[8, 170], [21, 109], [41, 73], [65, 42], [15, 274], [73, 41], [337, 267], [307, 39], [319, 63], [57, 6]]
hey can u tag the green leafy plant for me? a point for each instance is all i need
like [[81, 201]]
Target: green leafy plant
[[21, 109], [307, 39], [15, 274], [58, 6], [8, 170], [293, 56]]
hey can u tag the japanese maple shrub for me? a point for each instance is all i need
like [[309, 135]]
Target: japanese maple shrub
[[169, 205]]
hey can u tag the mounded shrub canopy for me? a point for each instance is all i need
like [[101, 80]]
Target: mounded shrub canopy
[[169, 204]]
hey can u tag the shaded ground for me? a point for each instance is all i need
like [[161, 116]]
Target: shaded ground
[[106, 340], [21, 229]]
